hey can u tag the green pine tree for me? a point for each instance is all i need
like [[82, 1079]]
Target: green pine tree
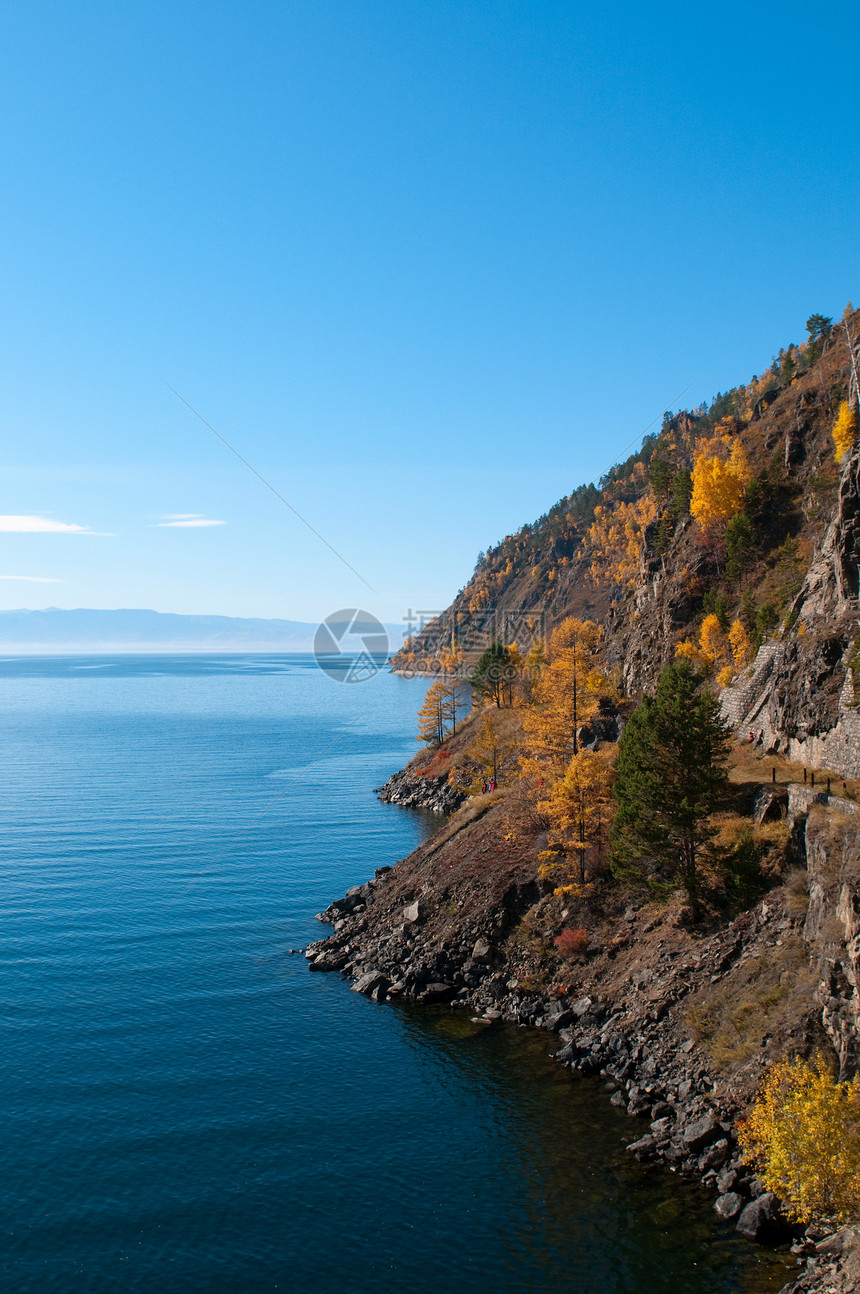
[[681, 492], [493, 675], [671, 772]]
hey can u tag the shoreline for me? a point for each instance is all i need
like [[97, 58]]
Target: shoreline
[[416, 931]]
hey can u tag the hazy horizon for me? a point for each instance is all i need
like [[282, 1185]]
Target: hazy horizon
[[83, 630]]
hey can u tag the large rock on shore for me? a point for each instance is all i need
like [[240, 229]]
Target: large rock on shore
[[762, 1221], [410, 789]]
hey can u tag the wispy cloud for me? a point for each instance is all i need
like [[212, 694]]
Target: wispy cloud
[[188, 520], [42, 526], [32, 579]]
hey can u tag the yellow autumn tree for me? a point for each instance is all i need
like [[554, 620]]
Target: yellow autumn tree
[[803, 1135], [578, 809], [533, 664], [491, 747], [739, 641], [844, 429], [688, 650], [712, 640], [435, 716], [721, 474], [615, 538], [565, 696]]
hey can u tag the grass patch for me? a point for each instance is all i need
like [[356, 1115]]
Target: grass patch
[[732, 1019]]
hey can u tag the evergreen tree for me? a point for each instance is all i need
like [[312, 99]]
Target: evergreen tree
[[819, 328], [739, 542], [766, 621], [670, 774], [681, 492], [663, 538], [493, 675], [749, 612]]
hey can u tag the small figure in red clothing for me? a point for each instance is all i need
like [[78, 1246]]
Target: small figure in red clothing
[[484, 789], [493, 785], [752, 736]]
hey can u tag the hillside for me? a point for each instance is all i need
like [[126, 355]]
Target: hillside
[[728, 547], [628, 554]]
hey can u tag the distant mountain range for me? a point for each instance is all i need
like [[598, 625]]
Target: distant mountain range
[[83, 630]]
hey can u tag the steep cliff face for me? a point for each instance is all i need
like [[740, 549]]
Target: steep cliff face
[[832, 929], [798, 697]]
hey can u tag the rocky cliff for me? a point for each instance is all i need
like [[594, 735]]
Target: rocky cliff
[[798, 696]]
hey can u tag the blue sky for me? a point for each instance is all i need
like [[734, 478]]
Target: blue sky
[[427, 266]]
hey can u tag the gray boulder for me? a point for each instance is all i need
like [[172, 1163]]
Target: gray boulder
[[716, 1156], [437, 992], [701, 1133], [372, 979], [841, 1242], [761, 1220], [728, 1206]]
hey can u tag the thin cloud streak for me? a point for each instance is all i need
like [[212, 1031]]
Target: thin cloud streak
[[32, 525], [33, 579], [186, 522]]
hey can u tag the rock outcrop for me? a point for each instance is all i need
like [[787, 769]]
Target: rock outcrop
[[415, 791], [798, 697], [832, 928]]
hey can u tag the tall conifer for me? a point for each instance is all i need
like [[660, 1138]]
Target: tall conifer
[[670, 774]]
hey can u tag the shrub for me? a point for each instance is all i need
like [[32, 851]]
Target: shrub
[[744, 880], [572, 943], [803, 1135]]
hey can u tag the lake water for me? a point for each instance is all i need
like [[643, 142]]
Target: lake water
[[185, 1108]]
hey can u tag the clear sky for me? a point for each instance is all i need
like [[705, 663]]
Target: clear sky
[[426, 264]]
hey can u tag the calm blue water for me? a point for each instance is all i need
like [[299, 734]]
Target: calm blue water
[[186, 1108]]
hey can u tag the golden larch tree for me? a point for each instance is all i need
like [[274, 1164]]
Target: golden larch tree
[[712, 640], [844, 429], [688, 650], [578, 810], [739, 642], [721, 475], [615, 538], [491, 747], [435, 714], [566, 695]]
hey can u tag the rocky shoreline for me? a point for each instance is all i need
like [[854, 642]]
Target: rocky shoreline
[[624, 1014], [413, 791]]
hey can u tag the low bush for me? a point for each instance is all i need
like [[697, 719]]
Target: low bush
[[572, 943], [803, 1136]]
